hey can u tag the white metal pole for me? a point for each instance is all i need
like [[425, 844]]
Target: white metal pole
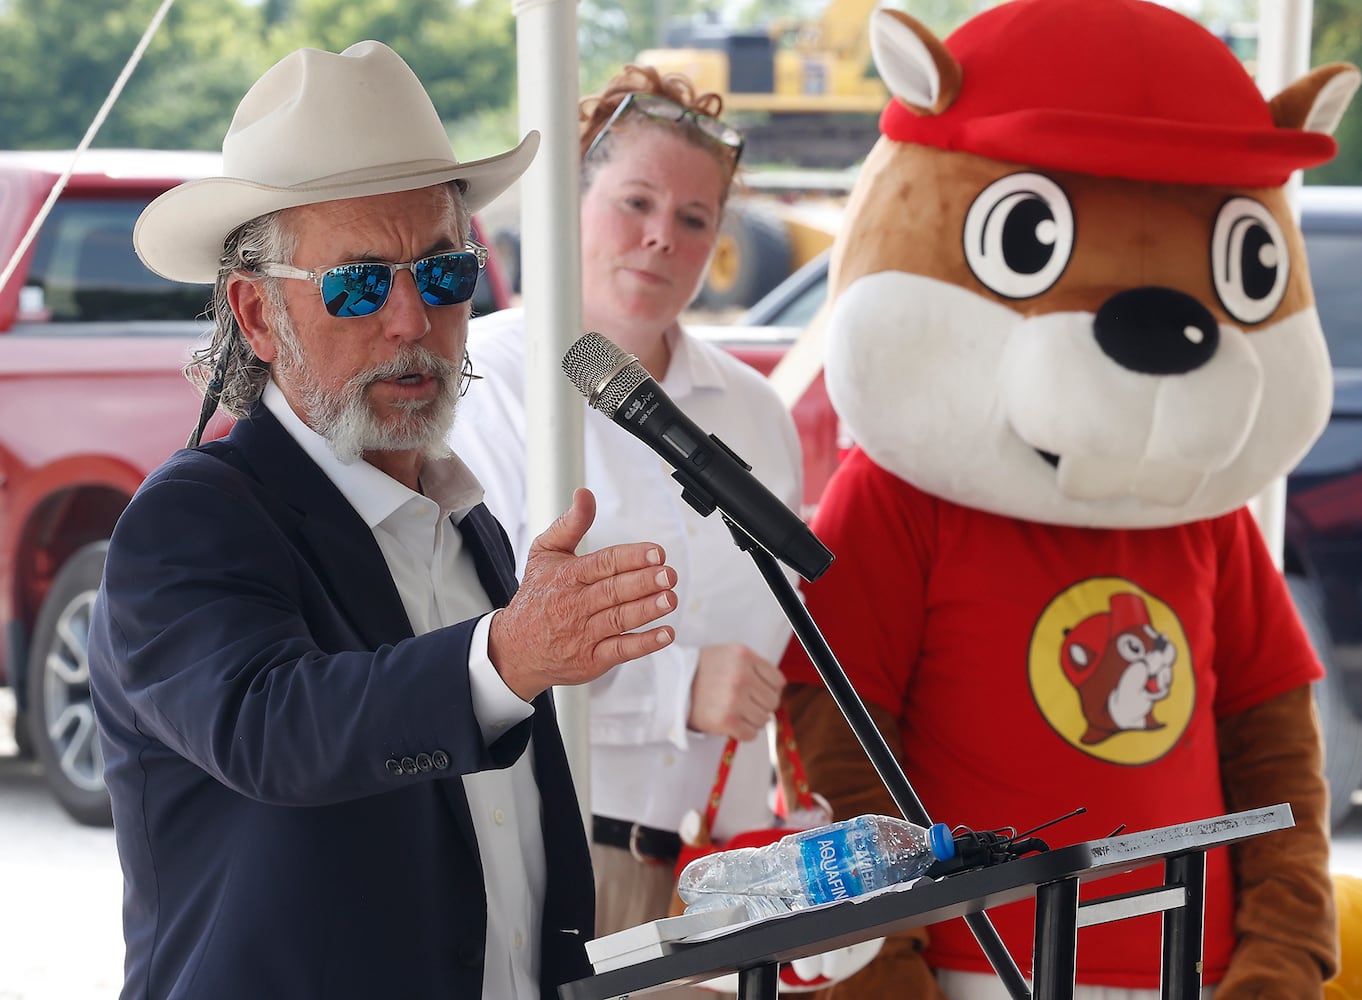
[[551, 289], [1283, 56]]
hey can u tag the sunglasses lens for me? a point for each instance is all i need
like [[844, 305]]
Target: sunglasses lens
[[446, 279], [718, 131], [356, 289], [656, 106]]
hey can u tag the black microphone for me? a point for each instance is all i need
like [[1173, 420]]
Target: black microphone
[[710, 474]]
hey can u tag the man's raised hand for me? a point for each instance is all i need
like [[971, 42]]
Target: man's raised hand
[[573, 617]]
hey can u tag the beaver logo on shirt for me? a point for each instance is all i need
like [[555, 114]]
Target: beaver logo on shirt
[[1110, 671], [1121, 667]]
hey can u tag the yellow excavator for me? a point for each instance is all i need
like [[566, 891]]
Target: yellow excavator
[[807, 98], [804, 92]]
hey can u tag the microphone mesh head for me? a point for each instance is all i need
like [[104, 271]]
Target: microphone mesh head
[[602, 372]]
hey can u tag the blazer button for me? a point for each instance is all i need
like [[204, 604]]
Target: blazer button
[[393, 765], [469, 955], [423, 761], [440, 759], [408, 765]]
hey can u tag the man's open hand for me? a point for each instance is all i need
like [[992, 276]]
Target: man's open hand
[[573, 617]]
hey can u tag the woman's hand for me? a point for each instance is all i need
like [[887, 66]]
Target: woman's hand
[[735, 692]]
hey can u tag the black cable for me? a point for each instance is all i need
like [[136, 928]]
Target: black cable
[[212, 393]]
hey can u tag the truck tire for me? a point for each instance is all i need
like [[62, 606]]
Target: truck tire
[[1342, 728], [751, 257], [60, 712], [23, 739]]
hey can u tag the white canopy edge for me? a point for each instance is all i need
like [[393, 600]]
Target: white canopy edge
[[551, 291]]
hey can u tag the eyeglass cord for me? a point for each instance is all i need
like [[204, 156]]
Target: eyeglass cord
[[212, 392]]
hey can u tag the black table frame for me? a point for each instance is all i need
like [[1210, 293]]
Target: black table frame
[[754, 950]]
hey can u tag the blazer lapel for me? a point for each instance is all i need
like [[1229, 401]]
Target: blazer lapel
[[487, 541], [490, 549], [352, 565], [343, 549]]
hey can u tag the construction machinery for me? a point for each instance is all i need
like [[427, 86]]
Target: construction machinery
[[804, 92], [806, 96], [776, 222]]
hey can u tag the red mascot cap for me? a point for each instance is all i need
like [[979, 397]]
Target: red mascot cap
[[1094, 633], [1111, 88]]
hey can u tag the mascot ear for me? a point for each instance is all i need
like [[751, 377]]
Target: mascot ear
[[1316, 102], [918, 69]]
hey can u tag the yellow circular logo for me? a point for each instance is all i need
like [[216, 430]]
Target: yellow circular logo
[[1111, 671]]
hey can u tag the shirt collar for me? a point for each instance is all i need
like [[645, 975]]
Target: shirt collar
[[373, 494], [690, 368]]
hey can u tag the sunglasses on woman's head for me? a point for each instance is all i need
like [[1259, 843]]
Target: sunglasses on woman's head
[[665, 109], [361, 288]]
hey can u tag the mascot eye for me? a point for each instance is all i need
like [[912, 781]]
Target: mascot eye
[[1130, 648], [1249, 260], [1019, 234]]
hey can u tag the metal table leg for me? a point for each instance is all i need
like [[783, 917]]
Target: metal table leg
[[1056, 947], [761, 982], [1182, 927]]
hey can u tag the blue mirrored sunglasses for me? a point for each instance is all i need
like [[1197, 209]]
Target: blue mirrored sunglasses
[[360, 288]]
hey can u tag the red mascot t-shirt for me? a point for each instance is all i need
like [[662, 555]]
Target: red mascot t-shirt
[[1036, 668]]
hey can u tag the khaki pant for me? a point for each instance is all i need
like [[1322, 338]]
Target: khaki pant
[[630, 892]]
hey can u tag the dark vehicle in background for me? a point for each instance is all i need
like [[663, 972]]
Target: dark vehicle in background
[[92, 398], [1322, 557]]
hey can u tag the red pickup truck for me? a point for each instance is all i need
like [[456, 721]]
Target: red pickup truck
[[91, 400]]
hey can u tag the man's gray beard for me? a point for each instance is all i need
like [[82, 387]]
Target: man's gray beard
[[346, 419]]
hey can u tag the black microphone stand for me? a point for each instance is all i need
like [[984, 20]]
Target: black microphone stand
[[870, 738]]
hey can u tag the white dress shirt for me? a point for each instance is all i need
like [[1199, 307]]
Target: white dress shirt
[[646, 765], [438, 583]]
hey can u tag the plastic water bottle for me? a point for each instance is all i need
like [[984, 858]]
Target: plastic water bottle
[[815, 866]]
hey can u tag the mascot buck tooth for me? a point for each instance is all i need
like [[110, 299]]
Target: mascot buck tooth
[[1072, 333]]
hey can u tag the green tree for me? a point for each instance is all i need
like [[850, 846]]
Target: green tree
[[462, 50], [63, 57], [194, 73], [1337, 37], [613, 32]]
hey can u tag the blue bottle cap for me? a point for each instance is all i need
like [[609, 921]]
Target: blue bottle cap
[[943, 844]]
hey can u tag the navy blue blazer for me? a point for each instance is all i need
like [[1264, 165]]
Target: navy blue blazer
[[284, 756]]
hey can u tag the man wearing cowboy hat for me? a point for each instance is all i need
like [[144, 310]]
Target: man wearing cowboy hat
[[334, 771]]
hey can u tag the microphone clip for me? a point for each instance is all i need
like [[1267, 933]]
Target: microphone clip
[[986, 848], [694, 492]]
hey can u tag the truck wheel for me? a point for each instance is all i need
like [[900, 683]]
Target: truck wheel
[[60, 712], [23, 739], [1342, 729], [751, 257]]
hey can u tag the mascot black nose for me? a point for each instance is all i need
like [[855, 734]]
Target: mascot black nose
[[1156, 331]]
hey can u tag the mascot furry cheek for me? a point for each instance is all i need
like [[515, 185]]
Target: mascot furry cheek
[[1073, 334]]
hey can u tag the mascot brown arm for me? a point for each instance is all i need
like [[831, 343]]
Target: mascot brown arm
[[1285, 922], [837, 766]]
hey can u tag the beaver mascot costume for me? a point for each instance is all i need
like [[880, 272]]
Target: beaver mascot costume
[[1072, 334]]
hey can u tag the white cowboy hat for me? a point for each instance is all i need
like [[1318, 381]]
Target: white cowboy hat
[[317, 126]]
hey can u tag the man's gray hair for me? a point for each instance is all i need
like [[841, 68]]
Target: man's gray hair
[[227, 359], [226, 364]]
